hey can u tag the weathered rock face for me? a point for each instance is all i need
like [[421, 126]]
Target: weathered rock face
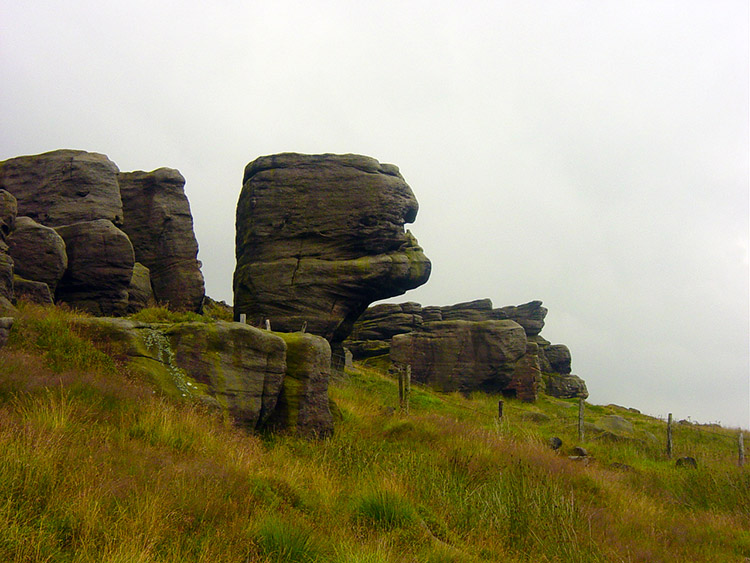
[[100, 267], [262, 379], [543, 366], [6, 323], [140, 293], [8, 210], [38, 252], [8, 213], [160, 226], [232, 365], [462, 355], [33, 291], [558, 356], [303, 405], [565, 386], [320, 237], [63, 187]]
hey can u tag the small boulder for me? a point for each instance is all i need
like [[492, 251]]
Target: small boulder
[[687, 462], [555, 443], [38, 252]]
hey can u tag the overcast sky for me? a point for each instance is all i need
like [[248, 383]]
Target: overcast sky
[[593, 155]]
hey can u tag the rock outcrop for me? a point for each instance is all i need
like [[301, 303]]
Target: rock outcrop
[[38, 252], [541, 367], [160, 226], [100, 267], [63, 187], [320, 237], [262, 379]]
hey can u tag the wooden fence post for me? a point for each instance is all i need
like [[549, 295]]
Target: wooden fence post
[[243, 318], [407, 388], [580, 419], [500, 410], [669, 436], [401, 387], [741, 448]]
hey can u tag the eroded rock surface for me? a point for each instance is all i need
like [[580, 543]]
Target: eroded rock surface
[[462, 355], [543, 367], [320, 237], [303, 405], [160, 226], [38, 252], [100, 267], [63, 187], [140, 293], [8, 210], [262, 379]]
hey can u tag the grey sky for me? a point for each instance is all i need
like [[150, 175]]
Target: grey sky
[[593, 155]]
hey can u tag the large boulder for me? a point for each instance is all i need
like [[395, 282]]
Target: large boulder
[[320, 237], [463, 356], [303, 406], [38, 252], [100, 267], [160, 226], [558, 356], [63, 187], [231, 365]]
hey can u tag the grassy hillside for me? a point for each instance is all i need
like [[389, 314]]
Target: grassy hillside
[[96, 466]]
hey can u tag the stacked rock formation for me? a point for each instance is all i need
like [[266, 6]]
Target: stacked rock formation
[[469, 346], [319, 238], [69, 242]]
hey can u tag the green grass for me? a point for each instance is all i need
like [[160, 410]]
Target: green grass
[[94, 466]]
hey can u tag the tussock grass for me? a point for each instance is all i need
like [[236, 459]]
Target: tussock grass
[[96, 467]]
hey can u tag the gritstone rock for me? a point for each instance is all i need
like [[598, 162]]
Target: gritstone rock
[[8, 213], [38, 252], [7, 220], [100, 267], [63, 187], [558, 356], [565, 386], [320, 237], [303, 405], [140, 294], [462, 355], [261, 379], [33, 291], [160, 226]]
